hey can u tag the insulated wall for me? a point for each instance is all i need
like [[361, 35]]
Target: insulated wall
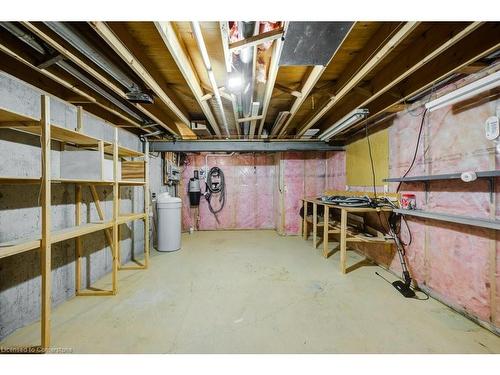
[[459, 264], [263, 191]]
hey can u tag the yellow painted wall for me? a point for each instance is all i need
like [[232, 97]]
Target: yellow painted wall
[[358, 167]]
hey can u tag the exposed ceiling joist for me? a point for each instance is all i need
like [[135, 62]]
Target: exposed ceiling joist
[[94, 73], [287, 90], [255, 40], [430, 46], [477, 45], [121, 50], [271, 78], [397, 38], [169, 37], [68, 85], [309, 84]]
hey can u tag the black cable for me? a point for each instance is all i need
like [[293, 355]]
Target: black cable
[[371, 160], [416, 149], [214, 187]]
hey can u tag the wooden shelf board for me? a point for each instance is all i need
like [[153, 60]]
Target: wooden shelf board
[[63, 135], [131, 183], [9, 116], [125, 218], [476, 222], [124, 151], [36, 180], [10, 180], [29, 243]]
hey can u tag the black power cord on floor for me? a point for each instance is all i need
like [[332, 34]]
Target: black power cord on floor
[[403, 287]]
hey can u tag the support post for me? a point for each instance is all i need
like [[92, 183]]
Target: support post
[[116, 212], [45, 248], [78, 240], [343, 237], [146, 204], [326, 226], [315, 224]]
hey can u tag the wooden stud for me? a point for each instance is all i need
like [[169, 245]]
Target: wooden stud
[[255, 40], [343, 235], [116, 214], [169, 37], [78, 240], [388, 47], [326, 225], [308, 85], [315, 224], [121, 50], [304, 220], [271, 78], [45, 248], [146, 204]]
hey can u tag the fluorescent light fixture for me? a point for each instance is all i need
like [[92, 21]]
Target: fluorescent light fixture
[[310, 133], [465, 92], [345, 122]]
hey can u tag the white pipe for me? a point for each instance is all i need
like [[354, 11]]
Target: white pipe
[[206, 60]]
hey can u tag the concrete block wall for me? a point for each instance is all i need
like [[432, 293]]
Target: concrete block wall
[[20, 211]]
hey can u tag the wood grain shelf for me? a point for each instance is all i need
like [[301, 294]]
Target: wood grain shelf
[[125, 218], [33, 242], [7, 116], [10, 180], [123, 151], [466, 220], [131, 183]]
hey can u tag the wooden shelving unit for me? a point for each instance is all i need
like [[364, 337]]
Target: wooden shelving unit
[[43, 241]]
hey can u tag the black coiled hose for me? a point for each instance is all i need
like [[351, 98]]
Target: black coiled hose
[[215, 187]]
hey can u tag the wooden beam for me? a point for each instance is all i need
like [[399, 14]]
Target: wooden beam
[[78, 240], [251, 118], [287, 90], [478, 44], [88, 68], [66, 84], [123, 52], [228, 56], [116, 213], [45, 248], [255, 40], [351, 82], [308, 85], [169, 37], [254, 117], [429, 45], [271, 77]]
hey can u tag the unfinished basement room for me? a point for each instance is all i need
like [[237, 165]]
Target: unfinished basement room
[[249, 187]]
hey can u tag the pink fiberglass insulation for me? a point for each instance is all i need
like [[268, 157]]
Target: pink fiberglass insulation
[[249, 192], [459, 263], [335, 170]]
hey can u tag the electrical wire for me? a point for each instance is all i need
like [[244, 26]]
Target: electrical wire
[[214, 187]]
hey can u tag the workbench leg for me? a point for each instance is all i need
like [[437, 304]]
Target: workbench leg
[[343, 236], [325, 231], [315, 225], [304, 222]]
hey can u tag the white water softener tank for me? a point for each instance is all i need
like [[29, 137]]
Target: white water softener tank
[[169, 222]]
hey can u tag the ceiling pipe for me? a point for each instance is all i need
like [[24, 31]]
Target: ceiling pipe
[[75, 39], [33, 43], [195, 26]]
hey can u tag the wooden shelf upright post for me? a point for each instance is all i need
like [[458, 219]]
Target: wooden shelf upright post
[[146, 204], [45, 248], [116, 213]]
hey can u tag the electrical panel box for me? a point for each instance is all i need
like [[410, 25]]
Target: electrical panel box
[[172, 172]]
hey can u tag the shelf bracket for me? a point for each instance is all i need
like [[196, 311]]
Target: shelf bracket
[[491, 184]]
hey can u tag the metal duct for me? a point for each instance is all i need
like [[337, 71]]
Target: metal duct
[[33, 43], [81, 44]]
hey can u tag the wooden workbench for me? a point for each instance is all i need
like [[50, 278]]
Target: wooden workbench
[[333, 227]]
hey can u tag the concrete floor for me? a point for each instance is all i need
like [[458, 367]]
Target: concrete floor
[[256, 292]]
